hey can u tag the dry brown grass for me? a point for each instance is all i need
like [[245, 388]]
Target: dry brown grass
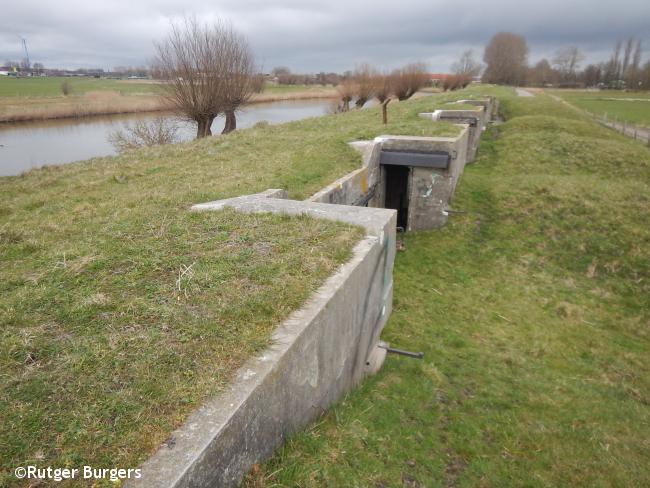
[[91, 103], [301, 95], [109, 102]]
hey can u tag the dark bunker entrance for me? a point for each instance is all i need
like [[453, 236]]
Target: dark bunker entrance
[[396, 191]]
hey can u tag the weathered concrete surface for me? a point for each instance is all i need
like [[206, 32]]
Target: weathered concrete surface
[[358, 187], [430, 190], [349, 190], [318, 354], [476, 120]]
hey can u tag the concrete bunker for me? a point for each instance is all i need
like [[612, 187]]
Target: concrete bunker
[[324, 349], [416, 176], [401, 175]]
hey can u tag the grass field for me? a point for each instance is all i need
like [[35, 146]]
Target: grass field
[[533, 311], [102, 352], [51, 86], [633, 107]]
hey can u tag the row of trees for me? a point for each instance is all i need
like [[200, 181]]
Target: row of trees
[[506, 58], [367, 82], [284, 76]]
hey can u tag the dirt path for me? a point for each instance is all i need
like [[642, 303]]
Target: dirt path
[[523, 93]]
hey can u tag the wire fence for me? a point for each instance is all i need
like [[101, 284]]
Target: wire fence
[[629, 129]]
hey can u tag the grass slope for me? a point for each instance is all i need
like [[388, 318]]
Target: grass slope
[[101, 355], [533, 311]]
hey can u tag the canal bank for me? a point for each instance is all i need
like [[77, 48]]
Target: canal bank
[[29, 145]]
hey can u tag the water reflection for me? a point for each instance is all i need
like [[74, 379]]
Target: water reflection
[[28, 145]]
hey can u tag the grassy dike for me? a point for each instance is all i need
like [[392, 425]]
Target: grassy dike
[[102, 350], [533, 311]]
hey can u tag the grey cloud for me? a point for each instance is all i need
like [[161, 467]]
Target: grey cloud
[[316, 35]]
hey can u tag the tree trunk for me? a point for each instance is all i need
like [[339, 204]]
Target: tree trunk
[[231, 122], [384, 111], [204, 126], [360, 102], [208, 126], [200, 130]]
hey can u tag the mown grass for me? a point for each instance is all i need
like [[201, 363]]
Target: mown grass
[[51, 86], [633, 107], [102, 354], [533, 311]]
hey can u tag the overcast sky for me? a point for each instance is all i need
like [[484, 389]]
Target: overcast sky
[[310, 36]]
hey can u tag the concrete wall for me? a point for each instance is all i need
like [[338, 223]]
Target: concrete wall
[[476, 121], [430, 190], [318, 354], [358, 187]]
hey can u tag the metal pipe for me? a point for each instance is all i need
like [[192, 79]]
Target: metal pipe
[[416, 355]]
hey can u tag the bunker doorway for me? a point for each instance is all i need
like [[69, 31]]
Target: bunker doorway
[[396, 188]]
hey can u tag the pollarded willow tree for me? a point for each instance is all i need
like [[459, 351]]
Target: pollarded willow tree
[[409, 79], [364, 79], [239, 78], [209, 71], [383, 92]]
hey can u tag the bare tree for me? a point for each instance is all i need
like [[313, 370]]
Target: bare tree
[[627, 57], [466, 66], [142, 133], [455, 82], [633, 74], [592, 75], [542, 74], [207, 69], [408, 80], [238, 76], [364, 79], [612, 74], [506, 59], [567, 61], [383, 92], [346, 91]]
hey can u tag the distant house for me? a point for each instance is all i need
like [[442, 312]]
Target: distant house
[[438, 79]]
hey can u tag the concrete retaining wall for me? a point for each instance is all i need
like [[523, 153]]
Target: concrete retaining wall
[[318, 354]]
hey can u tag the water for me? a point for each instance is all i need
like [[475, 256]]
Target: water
[[28, 145]]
